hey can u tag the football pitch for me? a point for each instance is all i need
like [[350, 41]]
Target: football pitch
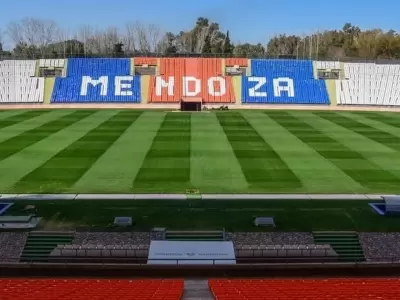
[[129, 151]]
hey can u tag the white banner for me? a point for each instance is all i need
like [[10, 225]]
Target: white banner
[[193, 253]]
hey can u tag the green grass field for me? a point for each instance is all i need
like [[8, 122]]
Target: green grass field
[[238, 215], [121, 151]]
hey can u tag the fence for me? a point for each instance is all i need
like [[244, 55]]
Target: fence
[[4, 56], [243, 260]]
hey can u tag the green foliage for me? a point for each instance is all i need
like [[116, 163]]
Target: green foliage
[[228, 47], [207, 45], [206, 37], [118, 50], [350, 42]]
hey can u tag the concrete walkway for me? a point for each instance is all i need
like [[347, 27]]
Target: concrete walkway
[[196, 290], [183, 197]]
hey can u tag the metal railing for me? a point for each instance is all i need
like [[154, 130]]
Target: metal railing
[[210, 261], [198, 55]]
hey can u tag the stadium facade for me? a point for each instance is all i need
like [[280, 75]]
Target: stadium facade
[[228, 81]]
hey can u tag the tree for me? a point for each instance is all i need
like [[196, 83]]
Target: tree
[[207, 45], [36, 38], [249, 50], [228, 47], [118, 50], [1, 41], [37, 33], [283, 45]]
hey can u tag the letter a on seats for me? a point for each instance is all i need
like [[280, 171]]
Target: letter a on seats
[[86, 80], [278, 88]]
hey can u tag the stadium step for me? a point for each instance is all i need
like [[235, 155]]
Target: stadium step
[[196, 289], [39, 244], [346, 244], [174, 235]]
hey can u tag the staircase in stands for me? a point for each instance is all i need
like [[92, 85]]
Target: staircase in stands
[[345, 243], [39, 244]]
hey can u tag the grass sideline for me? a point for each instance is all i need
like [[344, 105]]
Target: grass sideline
[[118, 151], [237, 215]]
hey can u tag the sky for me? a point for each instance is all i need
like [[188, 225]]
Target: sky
[[247, 20]]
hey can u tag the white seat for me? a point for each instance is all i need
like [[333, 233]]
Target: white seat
[[369, 84], [18, 84], [325, 65], [53, 63]]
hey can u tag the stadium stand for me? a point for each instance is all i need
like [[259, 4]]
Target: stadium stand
[[213, 80], [328, 65], [51, 63], [307, 289], [191, 77], [283, 81], [17, 84], [369, 84], [94, 289], [97, 80], [98, 66]]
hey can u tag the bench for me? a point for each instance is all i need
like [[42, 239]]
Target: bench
[[264, 221]]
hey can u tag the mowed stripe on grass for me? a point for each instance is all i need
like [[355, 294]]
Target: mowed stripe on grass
[[383, 137], [166, 167], [115, 170], [10, 132], [17, 143], [69, 165], [5, 114], [351, 162], [391, 119], [213, 165], [261, 165], [21, 117], [17, 166], [377, 153], [158, 152], [383, 159], [315, 172]]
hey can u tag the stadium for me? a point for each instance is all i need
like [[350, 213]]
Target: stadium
[[209, 173]]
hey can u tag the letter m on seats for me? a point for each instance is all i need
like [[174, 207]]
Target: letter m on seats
[[86, 80]]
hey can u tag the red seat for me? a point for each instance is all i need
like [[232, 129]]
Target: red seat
[[307, 289], [93, 289]]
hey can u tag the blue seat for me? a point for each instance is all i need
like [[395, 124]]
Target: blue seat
[[98, 66], [296, 85], [70, 90], [97, 80]]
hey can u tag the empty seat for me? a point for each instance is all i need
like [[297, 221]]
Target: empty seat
[[327, 65], [97, 80], [283, 81], [98, 66], [17, 84], [369, 84], [191, 77], [94, 289], [51, 63], [306, 289]]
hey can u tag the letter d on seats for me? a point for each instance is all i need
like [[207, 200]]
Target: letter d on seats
[[197, 86]]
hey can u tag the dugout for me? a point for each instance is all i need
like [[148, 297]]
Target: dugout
[[392, 205], [191, 103]]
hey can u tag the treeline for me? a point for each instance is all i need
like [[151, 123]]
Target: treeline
[[36, 38]]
